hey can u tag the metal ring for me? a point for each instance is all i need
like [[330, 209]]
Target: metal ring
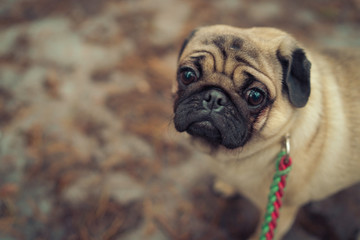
[[287, 144]]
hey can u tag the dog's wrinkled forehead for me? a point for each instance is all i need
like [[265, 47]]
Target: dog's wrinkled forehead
[[228, 47], [227, 39]]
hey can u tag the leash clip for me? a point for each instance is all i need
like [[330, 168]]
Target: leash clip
[[287, 148], [287, 144]]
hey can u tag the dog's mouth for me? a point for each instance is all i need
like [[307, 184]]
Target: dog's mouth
[[207, 130]]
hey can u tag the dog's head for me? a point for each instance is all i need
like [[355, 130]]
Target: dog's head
[[235, 83]]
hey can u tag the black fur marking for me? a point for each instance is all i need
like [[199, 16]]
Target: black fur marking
[[237, 43], [219, 42], [186, 41]]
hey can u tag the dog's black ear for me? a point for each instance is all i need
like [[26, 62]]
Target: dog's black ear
[[186, 41], [296, 76]]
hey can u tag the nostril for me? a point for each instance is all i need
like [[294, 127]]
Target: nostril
[[207, 97], [220, 101]]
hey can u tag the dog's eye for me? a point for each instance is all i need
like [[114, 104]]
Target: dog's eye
[[255, 97], [188, 76]]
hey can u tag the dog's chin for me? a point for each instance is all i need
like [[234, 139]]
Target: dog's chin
[[210, 134], [206, 130]]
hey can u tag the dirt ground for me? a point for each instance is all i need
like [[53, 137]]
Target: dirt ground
[[87, 147]]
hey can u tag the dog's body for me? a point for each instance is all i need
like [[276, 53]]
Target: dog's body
[[242, 90]]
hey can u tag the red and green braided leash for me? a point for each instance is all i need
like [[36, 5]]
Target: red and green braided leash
[[283, 167]]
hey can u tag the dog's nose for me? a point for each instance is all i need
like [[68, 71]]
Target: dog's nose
[[215, 100]]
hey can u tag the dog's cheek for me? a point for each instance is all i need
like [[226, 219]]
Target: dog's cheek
[[280, 118], [261, 120], [177, 97]]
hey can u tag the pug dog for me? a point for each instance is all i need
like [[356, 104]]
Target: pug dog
[[239, 92]]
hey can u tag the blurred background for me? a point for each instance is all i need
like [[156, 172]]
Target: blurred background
[[87, 147]]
